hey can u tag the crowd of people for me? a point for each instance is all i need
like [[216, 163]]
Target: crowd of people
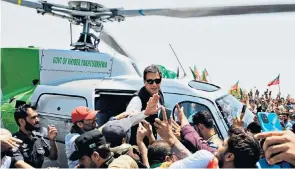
[[283, 107], [140, 138]]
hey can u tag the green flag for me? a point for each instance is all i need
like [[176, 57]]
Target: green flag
[[236, 91], [194, 75], [205, 75], [241, 93], [166, 74]]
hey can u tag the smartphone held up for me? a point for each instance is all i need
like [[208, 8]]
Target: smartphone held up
[[270, 122]]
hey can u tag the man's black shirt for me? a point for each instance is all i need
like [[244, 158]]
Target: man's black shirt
[[32, 150]]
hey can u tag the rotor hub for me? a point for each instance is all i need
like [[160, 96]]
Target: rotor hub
[[85, 5], [85, 41]]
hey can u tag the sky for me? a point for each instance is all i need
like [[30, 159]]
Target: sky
[[253, 49]]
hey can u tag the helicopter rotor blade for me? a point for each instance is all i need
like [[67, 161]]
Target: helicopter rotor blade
[[109, 40], [25, 3], [108, 13], [99, 14], [209, 11]]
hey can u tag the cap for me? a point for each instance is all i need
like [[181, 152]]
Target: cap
[[87, 143], [83, 113], [114, 131]]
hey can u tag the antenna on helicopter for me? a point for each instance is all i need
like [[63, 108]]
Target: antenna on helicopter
[[178, 61]]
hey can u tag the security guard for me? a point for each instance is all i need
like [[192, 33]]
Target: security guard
[[92, 150], [34, 148]]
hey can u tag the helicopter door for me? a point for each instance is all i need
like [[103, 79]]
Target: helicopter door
[[192, 105], [55, 109], [111, 103]]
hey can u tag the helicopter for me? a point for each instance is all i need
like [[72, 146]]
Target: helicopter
[[57, 80]]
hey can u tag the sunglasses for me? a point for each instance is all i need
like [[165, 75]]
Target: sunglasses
[[151, 81]]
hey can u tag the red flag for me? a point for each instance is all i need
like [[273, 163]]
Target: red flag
[[205, 75], [235, 87], [275, 81], [197, 73], [194, 75]]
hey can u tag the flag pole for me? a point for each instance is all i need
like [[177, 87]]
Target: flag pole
[[210, 79], [208, 75], [279, 84]]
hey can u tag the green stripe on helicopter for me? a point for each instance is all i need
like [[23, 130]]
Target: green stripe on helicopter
[[19, 68]]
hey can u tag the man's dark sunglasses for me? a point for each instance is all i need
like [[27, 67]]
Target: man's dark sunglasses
[[151, 81]]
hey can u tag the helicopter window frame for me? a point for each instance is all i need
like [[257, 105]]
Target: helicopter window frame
[[215, 126], [57, 94], [103, 98], [229, 116], [136, 69]]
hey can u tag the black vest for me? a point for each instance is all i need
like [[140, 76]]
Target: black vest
[[144, 96]]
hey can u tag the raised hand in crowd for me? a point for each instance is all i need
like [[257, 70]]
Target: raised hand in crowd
[[7, 141], [164, 129], [239, 121], [176, 129], [278, 146], [149, 131], [152, 105], [181, 117], [190, 136], [52, 132], [141, 133]]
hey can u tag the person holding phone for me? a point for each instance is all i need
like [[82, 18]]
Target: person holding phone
[[278, 146], [239, 150]]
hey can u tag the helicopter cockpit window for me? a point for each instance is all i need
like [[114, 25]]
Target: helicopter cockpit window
[[189, 109], [230, 108], [111, 104]]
